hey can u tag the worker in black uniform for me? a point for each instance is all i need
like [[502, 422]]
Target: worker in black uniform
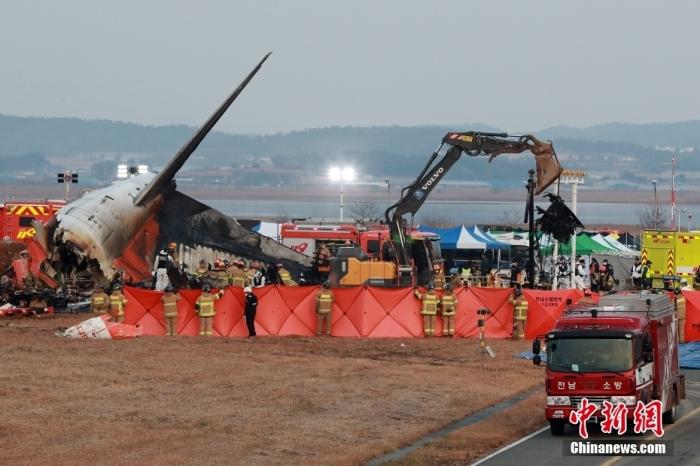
[[251, 307]]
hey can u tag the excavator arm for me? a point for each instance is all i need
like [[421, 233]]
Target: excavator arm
[[473, 144]]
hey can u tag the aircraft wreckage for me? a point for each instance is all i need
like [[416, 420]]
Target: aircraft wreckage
[[121, 227]]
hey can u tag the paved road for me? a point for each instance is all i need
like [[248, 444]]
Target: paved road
[[542, 449]]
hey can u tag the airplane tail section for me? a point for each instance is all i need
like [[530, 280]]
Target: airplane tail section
[[167, 174]]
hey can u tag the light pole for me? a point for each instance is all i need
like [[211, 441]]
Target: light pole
[[341, 174], [656, 207], [388, 191]]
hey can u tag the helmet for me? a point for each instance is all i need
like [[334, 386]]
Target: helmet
[[326, 284], [247, 289], [206, 288], [430, 287], [168, 288], [172, 245], [279, 266], [226, 262]]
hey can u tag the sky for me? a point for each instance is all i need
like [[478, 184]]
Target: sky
[[516, 65]]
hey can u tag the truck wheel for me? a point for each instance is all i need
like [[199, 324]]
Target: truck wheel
[[557, 426], [669, 417]]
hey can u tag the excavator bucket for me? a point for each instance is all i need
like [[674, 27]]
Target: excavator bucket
[[547, 166]]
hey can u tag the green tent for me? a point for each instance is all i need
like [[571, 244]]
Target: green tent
[[584, 246]]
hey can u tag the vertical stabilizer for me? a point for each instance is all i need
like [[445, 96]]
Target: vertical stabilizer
[[167, 174]]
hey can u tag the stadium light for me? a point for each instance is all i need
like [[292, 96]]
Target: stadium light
[[341, 174]]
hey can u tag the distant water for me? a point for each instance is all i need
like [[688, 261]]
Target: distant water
[[484, 212]]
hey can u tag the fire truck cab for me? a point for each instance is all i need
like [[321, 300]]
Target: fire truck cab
[[17, 217], [622, 350]]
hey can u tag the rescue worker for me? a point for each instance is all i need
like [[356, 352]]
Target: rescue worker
[[324, 308], [515, 271], [646, 276], [429, 302], [99, 302], [485, 267], [285, 276], [594, 271], [607, 279], [204, 306], [448, 304], [170, 299], [251, 308], [272, 277], [160, 268], [219, 274], [465, 274], [456, 281], [637, 274], [438, 277], [259, 278], [117, 303], [237, 276], [519, 313], [322, 263], [250, 274], [580, 275], [494, 281]]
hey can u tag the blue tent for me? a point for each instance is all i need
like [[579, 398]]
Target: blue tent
[[448, 236], [491, 242]]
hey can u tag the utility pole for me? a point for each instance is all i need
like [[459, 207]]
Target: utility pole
[[673, 194], [530, 219], [574, 178]]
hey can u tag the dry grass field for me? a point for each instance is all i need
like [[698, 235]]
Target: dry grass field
[[274, 400]]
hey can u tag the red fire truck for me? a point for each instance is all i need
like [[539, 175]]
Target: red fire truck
[[305, 238], [622, 350], [17, 217]]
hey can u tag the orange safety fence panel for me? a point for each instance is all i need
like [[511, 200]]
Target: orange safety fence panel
[[499, 321], [391, 312], [229, 321], [692, 315], [345, 324], [187, 320], [145, 309], [287, 310], [545, 308]]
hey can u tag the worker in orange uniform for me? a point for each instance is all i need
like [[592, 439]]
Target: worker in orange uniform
[[170, 299], [236, 275], [204, 306], [322, 263], [448, 304], [219, 274], [324, 307], [117, 303], [429, 302], [519, 313], [438, 277], [285, 276], [100, 300]]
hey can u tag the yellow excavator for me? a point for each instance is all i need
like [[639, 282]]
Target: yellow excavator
[[400, 255]]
